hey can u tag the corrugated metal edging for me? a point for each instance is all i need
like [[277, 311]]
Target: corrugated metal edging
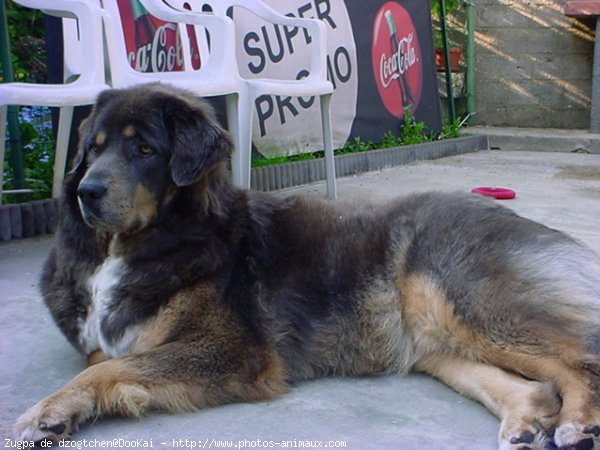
[[298, 173]]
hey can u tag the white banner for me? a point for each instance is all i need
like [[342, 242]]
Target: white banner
[[290, 125]]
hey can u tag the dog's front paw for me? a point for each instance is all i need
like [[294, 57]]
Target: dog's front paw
[[44, 421]]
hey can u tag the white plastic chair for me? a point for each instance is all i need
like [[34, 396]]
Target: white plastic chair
[[84, 76], [249, 90]]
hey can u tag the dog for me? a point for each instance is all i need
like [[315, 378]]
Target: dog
[[184, 291]]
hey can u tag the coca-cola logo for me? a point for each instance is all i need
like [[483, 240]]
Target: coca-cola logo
[[162, 54], [153, 45], [396, 59]]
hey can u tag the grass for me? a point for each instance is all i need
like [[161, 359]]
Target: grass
[[411, 132]]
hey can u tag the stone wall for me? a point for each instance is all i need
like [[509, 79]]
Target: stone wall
[[533, 65]]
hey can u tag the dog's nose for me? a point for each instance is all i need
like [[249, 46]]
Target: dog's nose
[[91, 190]]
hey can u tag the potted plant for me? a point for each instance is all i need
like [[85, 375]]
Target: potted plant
[[456, 53]]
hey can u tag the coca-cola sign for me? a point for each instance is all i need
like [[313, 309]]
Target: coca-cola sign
[[287, 124], [396, 59], [152, 44], [161, 54]]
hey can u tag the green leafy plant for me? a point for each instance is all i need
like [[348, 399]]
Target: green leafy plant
[[452, 129], [356, 145], [411, 132], [260, 162], [436, 13], [28, 58], [38, 155], [451, 5], [26, 35]]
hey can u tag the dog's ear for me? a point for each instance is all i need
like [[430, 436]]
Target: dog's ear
[[85, 128], [198, 142]]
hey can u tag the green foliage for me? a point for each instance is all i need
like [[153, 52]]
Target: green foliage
[[38, 155], [452, 129], [411, 132], [28, 58], [260, 162], [26, 35], [451, 5], [354, 146]]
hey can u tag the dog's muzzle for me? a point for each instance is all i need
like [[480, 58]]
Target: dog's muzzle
[[90, 194]]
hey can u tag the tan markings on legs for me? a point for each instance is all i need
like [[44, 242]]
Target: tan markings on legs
[[436, 330], [523, 406], [110, 387], [579, 412], [431, 320], [152, 381]]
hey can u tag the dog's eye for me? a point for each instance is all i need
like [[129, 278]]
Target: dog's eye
[[145, 149], [93, 147]]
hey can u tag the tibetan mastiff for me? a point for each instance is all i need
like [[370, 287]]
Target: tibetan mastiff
[[185, 291]]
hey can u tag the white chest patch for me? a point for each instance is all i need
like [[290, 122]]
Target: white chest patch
[[101, 286]]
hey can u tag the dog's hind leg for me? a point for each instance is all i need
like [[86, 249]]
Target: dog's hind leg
[[546, 354], [528, 409], [578, 425], [173, 377]]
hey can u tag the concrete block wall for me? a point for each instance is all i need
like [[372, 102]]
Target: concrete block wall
[[533, 65]]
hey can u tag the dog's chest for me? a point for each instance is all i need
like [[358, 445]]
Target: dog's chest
[[102, 286]]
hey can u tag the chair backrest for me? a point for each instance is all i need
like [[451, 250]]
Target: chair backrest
[[84, 52], [72, 49], [316, 29], [176, 61], [219, 30]]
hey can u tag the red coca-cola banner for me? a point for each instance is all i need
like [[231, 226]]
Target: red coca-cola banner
[[397, 60], [396, 66], [152, 44]]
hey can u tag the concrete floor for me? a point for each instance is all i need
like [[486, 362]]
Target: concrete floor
[[561, 190]]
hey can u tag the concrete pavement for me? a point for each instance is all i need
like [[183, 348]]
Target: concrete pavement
[[561, 190]]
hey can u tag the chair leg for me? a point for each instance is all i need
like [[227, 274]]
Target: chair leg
[[62, 148], [239, 118], [231, 103], [245, 117], [328, 145], [3, 117]]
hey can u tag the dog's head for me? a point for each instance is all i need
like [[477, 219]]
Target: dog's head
[[137, 147]]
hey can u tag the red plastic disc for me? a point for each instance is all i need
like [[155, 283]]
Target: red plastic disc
[[497, 193]]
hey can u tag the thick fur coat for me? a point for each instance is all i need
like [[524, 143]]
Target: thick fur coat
[[184, 291]]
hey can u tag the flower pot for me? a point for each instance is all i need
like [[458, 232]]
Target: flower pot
[[455, 58]]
